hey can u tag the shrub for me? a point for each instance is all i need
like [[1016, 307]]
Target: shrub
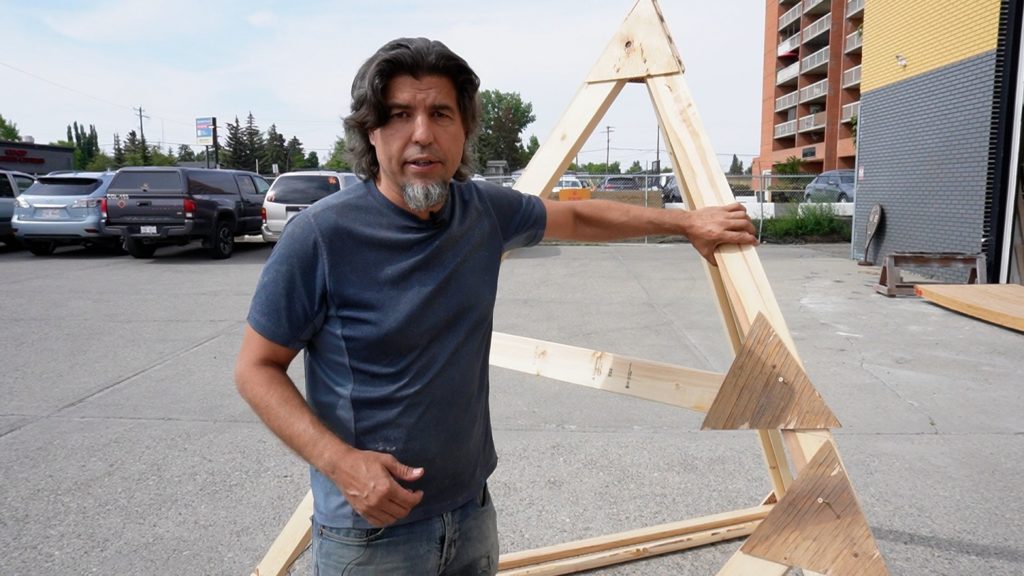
[[816, 222]]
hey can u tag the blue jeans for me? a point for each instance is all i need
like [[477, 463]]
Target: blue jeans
[[461, 542]]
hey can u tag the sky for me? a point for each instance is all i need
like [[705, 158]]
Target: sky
[[291, 64]]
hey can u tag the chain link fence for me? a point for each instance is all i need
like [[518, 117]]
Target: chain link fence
[[661, 190]]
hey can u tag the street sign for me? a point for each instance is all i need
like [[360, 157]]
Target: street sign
[[204, 131]]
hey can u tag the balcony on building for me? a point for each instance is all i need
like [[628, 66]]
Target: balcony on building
[[854, 8], [851, 78], [789, 45], [812, 123], [817, 6], [854, 42], [788, 101], [785, 129], [815, 29], [849, 112], [816, 62], [815, 92], [791, 15], [787, 76]]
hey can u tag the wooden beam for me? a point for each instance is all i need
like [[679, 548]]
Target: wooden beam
[[675, 109], [290, 543], [614, 548], [774, 449], [695, 162], [571, 132], [657, 381], [742, 564]]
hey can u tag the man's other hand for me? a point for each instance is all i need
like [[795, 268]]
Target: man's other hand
[[370, 483]]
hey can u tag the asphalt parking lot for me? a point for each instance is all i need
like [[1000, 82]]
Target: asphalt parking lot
[[124, 448]]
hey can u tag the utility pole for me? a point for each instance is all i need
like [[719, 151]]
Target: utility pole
[[142, 137], [657, 151], [607, 147]]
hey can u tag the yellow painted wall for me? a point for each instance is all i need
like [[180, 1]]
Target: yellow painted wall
[[929, 34]]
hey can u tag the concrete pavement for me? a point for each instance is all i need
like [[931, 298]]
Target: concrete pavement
[[124, 448]]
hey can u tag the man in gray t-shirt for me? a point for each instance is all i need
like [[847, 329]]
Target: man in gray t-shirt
[[389, 287]]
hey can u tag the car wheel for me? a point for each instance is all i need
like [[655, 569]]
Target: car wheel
[[138, 248], [41, 248], [842, 198], [222, 241]]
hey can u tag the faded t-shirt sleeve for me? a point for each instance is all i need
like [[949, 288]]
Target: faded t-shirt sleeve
[[521, 217], [290, 301]]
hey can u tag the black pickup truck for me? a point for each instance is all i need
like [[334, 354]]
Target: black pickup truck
[[159, 206]]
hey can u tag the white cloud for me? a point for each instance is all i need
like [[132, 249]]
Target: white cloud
[[262, 19]]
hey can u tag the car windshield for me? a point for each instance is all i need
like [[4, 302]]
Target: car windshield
[[303, 189], [63, 187]]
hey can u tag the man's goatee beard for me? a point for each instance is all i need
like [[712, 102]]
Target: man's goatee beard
[[422, 197]]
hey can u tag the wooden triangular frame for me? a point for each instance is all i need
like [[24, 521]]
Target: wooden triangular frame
[[642, 51]]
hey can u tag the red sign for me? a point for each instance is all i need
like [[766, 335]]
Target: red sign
[[15, 156]]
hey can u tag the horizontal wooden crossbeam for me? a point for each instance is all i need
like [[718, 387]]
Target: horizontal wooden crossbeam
[[632, 545], [666, 383]]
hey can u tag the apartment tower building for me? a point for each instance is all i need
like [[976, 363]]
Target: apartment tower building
[[811, 84]]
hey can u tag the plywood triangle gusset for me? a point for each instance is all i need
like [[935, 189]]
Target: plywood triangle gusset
[[641, 48], [766, 388], [819, 525]]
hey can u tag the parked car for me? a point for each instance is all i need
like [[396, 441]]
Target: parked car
[[620, 183], [12, 184], [293, 192], [63, 209], [831, 186], [568, 181], [157, 206], [670, 191]]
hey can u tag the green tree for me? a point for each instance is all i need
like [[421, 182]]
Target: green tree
[[337, 159], [158, 157], [185, 153], [504, 116], [530, 150], [86, 144], [100, 163], [119, 157], [602, 168], [790, 166], [736, 168], [134, 153], [255, 145], [635, 168], [9, 130], [234, 153], [296, 155], [312, 160], [275, 151]]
